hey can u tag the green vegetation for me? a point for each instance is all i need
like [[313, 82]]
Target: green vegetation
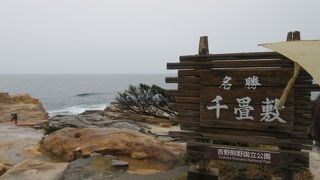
[[51, 129], [145, 100], [182, 177], [229, 171], [235, 144]]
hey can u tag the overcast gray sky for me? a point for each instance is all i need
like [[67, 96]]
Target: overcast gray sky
[[139, 36]]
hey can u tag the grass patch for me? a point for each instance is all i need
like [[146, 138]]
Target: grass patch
[[182, 177], [305, 175], [228, 171], [51, 129]]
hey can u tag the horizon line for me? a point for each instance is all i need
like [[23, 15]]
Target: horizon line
[[81, 73]]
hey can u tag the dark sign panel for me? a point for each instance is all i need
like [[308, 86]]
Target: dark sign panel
[[245, 99], [245, 155]]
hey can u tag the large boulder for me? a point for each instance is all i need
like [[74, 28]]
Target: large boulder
[[24, 105], [67, 143], [34, 170], [91, 120]]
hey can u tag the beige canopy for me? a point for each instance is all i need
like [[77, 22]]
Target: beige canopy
[[305, 53]]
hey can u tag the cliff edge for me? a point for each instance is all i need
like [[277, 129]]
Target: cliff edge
[[28, 108]]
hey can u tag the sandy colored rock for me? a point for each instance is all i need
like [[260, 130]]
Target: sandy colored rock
[[24, 105], [140, 155], [314, 159], [109, 141], [34, 123], [18, 144], [34, 170], [3, 168], [143, 171]]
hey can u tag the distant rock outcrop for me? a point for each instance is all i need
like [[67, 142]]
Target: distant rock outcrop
[[91, 120], [27, 108], [113, 112], [69, 142]]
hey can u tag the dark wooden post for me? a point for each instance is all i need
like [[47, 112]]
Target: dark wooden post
[[203, 172], [289, 36], [296, 36], [203, 50], [203, 45]]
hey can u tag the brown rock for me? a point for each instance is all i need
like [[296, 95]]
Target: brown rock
[[34, 123], [5, 98], [19, 143], [34, 169], [109, 141], [3, 168], [140, 155], [24, 105]]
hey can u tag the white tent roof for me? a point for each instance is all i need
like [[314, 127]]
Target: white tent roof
[[305, 52]]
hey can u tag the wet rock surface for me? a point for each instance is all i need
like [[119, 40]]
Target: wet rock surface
[[18, 144], [97, 167], [173, 174]]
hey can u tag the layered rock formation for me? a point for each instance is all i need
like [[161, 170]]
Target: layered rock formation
[[34, 170], [68, 142], [3, 168], [24, 105], [91, 120]]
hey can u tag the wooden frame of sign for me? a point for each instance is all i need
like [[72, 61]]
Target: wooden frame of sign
[[231, 97]]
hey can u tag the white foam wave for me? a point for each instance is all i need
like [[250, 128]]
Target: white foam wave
[[77, 109]]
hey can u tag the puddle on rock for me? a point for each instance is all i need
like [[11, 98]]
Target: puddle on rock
[[145, 166]]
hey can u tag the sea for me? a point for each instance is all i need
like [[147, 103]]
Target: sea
[[76, 93]]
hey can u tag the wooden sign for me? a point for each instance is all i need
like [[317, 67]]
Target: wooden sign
[[245, 99], [245, 155], [231, 98]]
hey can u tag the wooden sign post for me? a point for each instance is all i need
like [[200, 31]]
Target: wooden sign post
[[231, 97]]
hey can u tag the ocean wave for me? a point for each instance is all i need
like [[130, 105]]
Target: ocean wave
[[87, 94], [77, 109]]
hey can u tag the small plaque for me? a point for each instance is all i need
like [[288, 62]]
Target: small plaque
[[245, 155]]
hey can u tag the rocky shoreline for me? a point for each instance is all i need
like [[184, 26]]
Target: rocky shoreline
[[27, 153]]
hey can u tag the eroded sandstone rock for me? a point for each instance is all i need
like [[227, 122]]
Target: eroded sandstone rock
[[3, 168], [24, 105], [34, 170], [66, 141]]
